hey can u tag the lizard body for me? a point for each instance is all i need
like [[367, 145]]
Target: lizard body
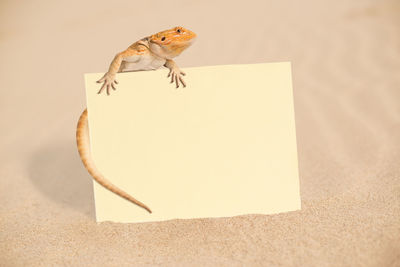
[[149, 53]]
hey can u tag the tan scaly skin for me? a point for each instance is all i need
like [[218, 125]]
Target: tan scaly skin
[[149, 53]]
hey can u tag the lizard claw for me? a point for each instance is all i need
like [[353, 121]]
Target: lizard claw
[[175, 74], [101, 80], [108, 82]]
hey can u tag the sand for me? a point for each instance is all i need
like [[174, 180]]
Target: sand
[[346, 63]]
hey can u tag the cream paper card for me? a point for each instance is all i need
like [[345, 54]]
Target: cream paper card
[[223, 146]]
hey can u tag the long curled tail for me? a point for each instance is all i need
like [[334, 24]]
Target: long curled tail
[[82, 140]]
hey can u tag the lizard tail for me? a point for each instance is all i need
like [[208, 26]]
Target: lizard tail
[[82, 140]]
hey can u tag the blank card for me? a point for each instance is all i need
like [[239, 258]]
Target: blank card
[[223, 146]]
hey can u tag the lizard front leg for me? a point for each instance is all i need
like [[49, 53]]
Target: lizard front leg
[[108, 79], [175, 73]]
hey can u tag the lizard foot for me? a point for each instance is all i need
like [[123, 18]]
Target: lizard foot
[[108, 81], [176, 75]]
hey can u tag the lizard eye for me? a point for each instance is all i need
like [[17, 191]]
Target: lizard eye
[[178, 30], [163, 39]]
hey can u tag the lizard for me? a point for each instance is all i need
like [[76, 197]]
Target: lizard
[[149, 53]]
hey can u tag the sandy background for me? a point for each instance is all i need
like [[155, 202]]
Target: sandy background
[[346, 76]]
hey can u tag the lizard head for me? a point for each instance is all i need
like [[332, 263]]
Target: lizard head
[[170, 43]]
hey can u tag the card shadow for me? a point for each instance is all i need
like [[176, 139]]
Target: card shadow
[[57, 171]]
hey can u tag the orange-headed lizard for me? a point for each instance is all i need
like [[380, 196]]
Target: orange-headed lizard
[[149, 53]]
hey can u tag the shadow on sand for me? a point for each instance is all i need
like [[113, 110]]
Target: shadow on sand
[[57, 171]]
